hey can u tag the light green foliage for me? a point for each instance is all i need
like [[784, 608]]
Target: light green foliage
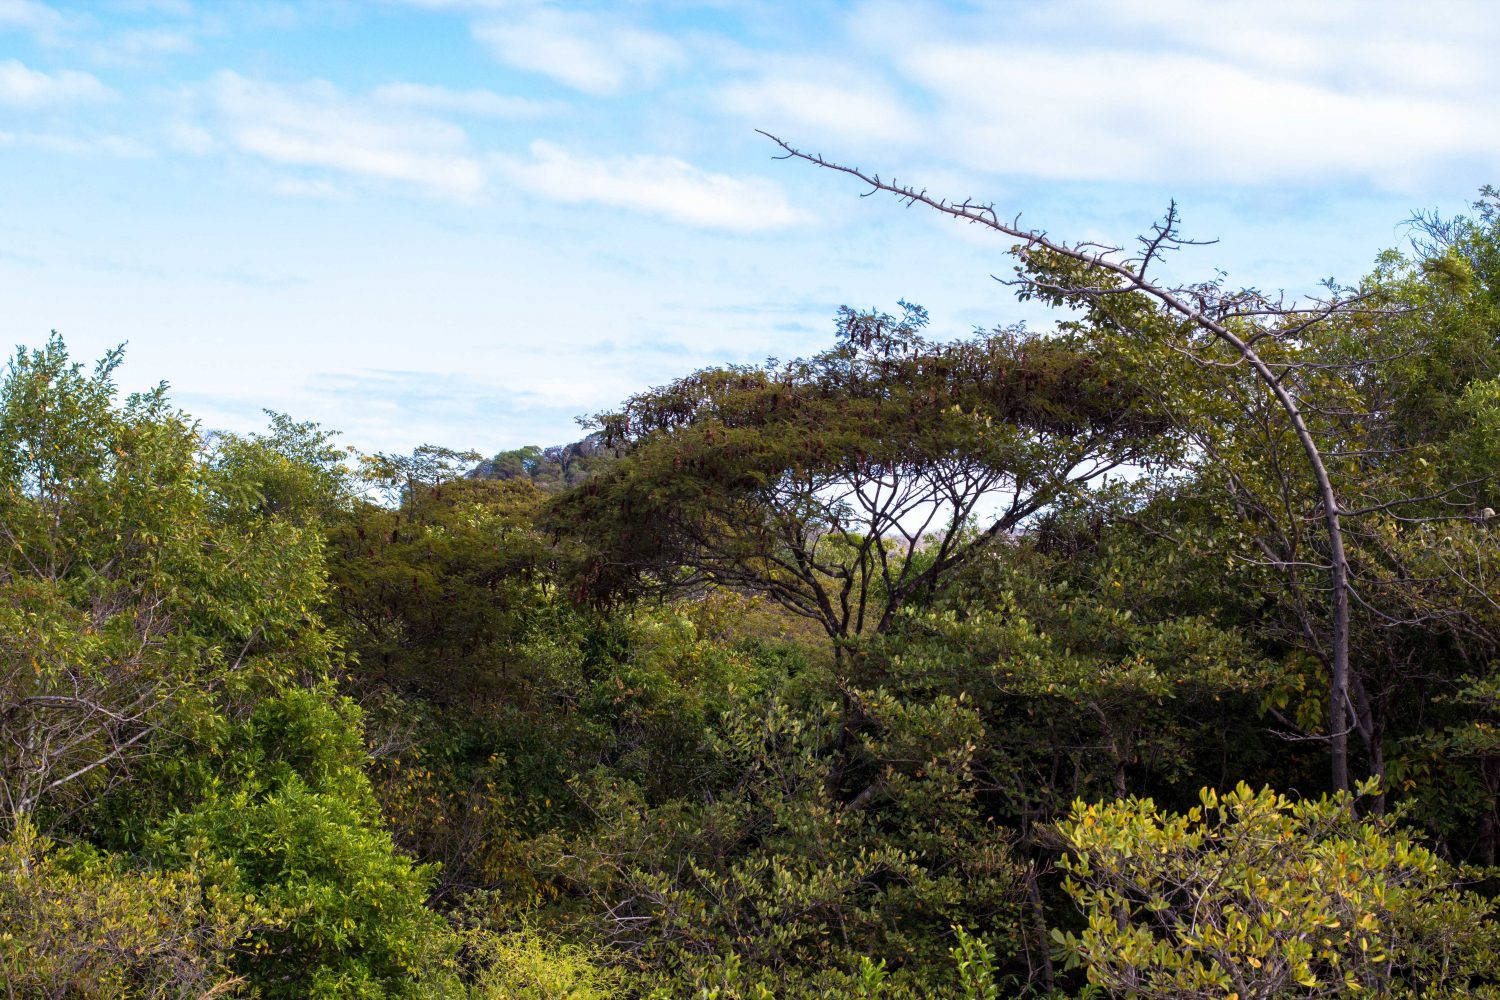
[[135, 578], [1477, 444], [159, 612], [524, 965], [80, 924], [726, 977], [96, 506], [976, 966], [292, 825], [1252, 895], [1430, 623], [293, 471]]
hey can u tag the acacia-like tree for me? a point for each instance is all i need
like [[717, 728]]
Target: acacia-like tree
[[847, 485]]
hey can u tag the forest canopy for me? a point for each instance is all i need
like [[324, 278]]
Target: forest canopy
[[999, 663]]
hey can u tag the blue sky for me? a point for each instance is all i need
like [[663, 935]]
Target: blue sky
[[468, 221]]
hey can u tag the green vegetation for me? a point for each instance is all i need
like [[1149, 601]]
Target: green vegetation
[[987, 667], [1254, 895]]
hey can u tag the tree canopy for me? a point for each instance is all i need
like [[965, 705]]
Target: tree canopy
[[848, 484]]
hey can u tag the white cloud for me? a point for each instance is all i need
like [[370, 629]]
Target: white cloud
[[31, 16], [655, 185], [1380, 44], [357, 154], [479, 102], [1133, 117], [191, 138], [859, 112], [317, 126], [1393, 95], [142, 46], [77, 145], [28, 88], [85, 33], [585, 52], [298, 187]]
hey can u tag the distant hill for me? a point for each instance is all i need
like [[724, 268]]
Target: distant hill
[[554, 468]]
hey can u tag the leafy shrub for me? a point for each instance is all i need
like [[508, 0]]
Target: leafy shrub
[[294, 826], [79, 923], [523, 965], [1253, 895]]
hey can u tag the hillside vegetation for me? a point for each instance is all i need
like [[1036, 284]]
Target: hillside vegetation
[[989, 666]]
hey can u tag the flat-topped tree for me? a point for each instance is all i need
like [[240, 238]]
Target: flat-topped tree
[[847, 485]]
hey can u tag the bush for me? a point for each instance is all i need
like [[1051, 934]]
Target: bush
[[79, 923], [523, 965], [294, 827], [1253, 895]]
